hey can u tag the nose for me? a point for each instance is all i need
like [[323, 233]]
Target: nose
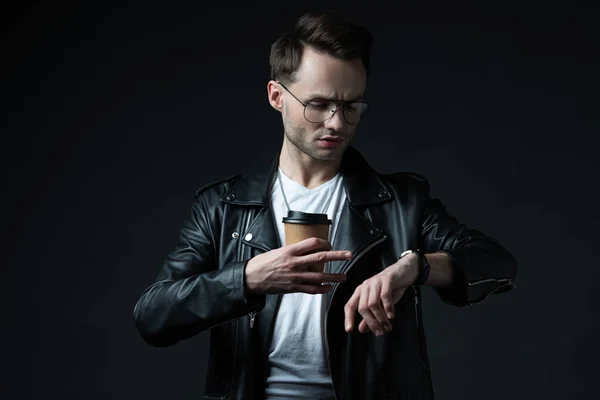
[[336, 122]]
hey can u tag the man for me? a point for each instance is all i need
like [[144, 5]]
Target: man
[[279, 330]]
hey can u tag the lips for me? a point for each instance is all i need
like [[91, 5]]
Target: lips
[[330, 142]]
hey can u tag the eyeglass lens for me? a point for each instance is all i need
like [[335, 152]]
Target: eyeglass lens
[[321, 111]]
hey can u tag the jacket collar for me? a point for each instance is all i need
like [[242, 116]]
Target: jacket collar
[[362, 184]]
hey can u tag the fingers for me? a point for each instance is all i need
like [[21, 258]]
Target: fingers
[[311, 289], [363, 327], [317, 278], [387, 300], [379, 323], [373, 302], [314, 251], [350, 310], [314, 282], [309, 245], [322, 257], [366, 313]]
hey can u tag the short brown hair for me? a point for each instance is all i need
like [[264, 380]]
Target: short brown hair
[[324, 32]]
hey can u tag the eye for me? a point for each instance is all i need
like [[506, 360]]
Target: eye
[[352, 108], [358, 107], [319, 105]]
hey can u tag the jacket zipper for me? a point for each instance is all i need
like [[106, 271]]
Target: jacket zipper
[[245, 224], [418, 331], [506, 280], [350, 265], [489, 280]]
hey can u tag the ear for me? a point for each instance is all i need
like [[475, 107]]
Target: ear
[[275, 95]]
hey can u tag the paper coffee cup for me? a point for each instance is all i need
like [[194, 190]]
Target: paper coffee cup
[[300, 225]]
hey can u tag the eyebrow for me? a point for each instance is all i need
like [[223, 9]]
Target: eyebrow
[[329, 98]]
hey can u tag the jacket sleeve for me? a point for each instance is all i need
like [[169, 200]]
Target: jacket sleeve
[[191, 294], [481, 265]]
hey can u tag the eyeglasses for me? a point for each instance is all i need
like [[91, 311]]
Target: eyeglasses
[[320, 110]]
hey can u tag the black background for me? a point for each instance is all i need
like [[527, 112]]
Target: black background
[[113, 114]]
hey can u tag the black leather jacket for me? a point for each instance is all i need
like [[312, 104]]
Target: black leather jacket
[[201, 284]]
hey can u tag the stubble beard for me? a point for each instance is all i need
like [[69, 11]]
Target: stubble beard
[[301, 141]]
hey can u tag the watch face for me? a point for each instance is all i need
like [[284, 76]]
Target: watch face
[[405, 253]]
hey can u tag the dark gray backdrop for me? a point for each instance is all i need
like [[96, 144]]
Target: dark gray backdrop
[[113, 115]]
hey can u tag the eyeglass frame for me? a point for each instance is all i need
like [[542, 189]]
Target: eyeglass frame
[[337, 103]]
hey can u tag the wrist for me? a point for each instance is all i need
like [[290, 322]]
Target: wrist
[[409, 268], [417, 267], [248, 289]]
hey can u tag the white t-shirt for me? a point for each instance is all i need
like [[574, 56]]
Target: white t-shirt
[[297, 367]]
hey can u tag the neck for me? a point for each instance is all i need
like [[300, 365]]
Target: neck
[[304, 169]]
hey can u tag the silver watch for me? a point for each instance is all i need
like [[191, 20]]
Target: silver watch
[[405, 252]]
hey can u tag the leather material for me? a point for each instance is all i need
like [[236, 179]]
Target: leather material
[[201, 284], [424, 269]]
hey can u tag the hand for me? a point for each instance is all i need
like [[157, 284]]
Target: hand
[[375, 298], [284, 270]]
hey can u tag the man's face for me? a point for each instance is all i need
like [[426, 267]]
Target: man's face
[[321, 78]]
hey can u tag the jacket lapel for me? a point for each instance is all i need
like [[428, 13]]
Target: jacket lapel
[[362, 184], [254, 190], [262, 232], [354, 233]]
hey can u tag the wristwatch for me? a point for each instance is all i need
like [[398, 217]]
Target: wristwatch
[[424, 267]]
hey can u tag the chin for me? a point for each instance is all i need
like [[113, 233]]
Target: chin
[[329, 155]]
